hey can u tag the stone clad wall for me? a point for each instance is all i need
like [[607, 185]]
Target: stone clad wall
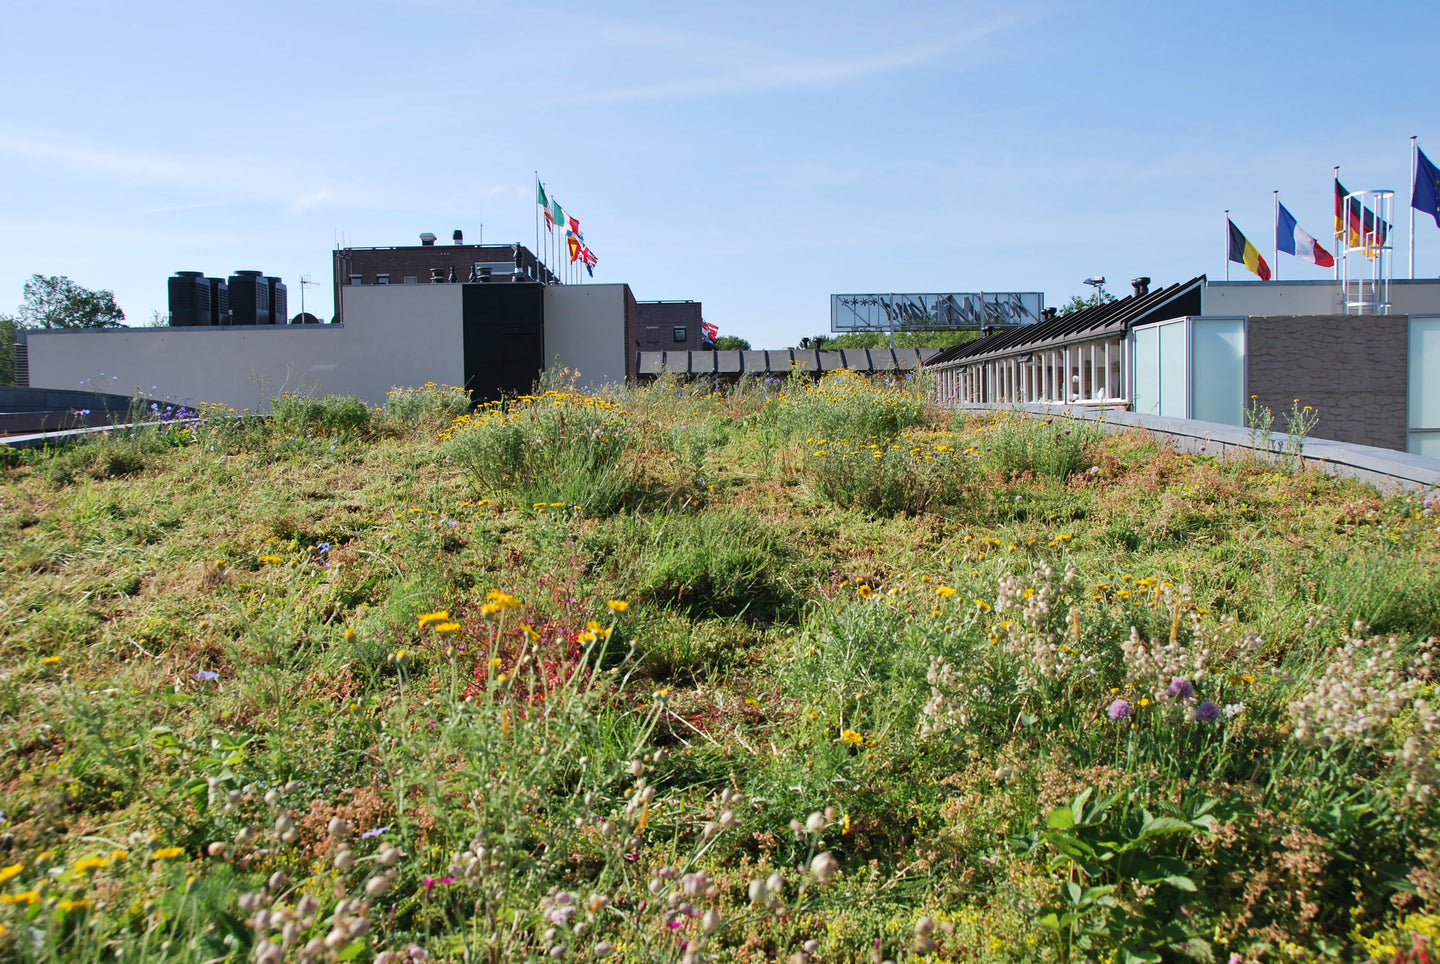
[[1351, 368]]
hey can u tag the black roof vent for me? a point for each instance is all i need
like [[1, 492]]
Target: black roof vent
[[458, 237], [427, 239], [1141, 286]]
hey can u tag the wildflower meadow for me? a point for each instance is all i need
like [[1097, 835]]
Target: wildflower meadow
[[807, 671]]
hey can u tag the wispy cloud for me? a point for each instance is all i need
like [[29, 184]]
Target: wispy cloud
[[762, 71], [310, 200]]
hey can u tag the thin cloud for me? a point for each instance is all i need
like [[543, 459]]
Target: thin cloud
[[762, 77], [310, 200]]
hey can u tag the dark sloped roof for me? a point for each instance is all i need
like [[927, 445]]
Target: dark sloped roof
[[1096, 321]]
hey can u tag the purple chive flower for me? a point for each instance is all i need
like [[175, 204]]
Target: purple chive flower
[[1181, 688], [1119, 710], [373, 832], [207, 674], [1207, 711]]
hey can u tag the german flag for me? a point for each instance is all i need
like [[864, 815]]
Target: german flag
[[1360, 224], [1243, 252]]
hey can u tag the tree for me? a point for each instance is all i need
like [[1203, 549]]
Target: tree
[[58, 302], [731, 343], [7, 350], [1077, 303], [915, 338]]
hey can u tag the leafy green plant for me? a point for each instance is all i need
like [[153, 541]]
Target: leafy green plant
[[300, 415], [1123, 879]]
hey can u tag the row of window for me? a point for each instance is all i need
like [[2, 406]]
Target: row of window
[[381, 279]]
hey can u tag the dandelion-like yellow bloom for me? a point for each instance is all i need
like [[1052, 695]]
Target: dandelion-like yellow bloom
[[502, 600], [864, 591], [86, 864], [168, 853], [586, 637], [446, 627], [272, 560], [349, 633], [439, 616], [850, 736], [49, 659], [530, 631], [26, 897], [68, 905], [617, 605], [11, 871], [946, 591]]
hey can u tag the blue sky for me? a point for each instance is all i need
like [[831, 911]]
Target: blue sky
[[754, 156]]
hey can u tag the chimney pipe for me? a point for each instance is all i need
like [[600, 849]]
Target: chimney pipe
[[458, 237], [1049, 314], [1141, 286]]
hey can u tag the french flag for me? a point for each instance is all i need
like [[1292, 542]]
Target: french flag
[[1292, 240]]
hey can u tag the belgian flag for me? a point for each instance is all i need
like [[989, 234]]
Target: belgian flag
[[1243, 252]]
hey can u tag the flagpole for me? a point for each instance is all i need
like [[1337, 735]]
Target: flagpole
[[1412, 206], [1275, 265], [537, 217], [1227, 244], [1339, 222]]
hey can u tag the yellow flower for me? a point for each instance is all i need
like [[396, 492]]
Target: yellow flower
[[118, 855], [586, 637], [168, 853], [617, 605], [85, 864], [7, 872], [1144, 701], [24, 897], [502, 600], [68, 905], [446, 627], [501, 678], [273, 560], [349, 633], [850, 736], [864, 590], [49, 659], [530, 631], [439, 616], [946, 591]]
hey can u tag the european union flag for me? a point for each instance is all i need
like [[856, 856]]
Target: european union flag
[[1426, 196]]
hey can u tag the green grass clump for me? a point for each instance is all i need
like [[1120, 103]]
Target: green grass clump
[[583, 676], [303, 415], [562, 448]]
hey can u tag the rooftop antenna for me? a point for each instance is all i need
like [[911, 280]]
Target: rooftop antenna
[[304, 280]]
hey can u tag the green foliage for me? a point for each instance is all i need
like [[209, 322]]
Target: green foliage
[[880, 705], [432, 406], [1021, 444], [559, 450], [1080, 302], [302, 415], [57, 302], [886, 477], [8, 328], [731, 343], [881, 339]]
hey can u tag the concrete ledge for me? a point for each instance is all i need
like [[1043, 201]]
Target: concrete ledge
[[1386, 469]]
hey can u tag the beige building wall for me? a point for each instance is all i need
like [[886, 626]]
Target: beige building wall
[[403, 335], [585, 331]]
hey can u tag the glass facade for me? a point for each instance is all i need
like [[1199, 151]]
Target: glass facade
[[1423, 408]]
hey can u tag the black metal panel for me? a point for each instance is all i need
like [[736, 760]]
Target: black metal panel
[[249, 298], [503, 330]]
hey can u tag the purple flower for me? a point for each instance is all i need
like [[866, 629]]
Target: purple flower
[[207, 674], [373, 832], [1119, 710], [1207, 711], [1181, 688]]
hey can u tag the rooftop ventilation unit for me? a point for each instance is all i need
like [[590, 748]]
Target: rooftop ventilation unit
[[458, 237], [427, 239]]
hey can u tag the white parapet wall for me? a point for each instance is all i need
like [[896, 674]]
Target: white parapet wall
[[405, 335], [585, 331]]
